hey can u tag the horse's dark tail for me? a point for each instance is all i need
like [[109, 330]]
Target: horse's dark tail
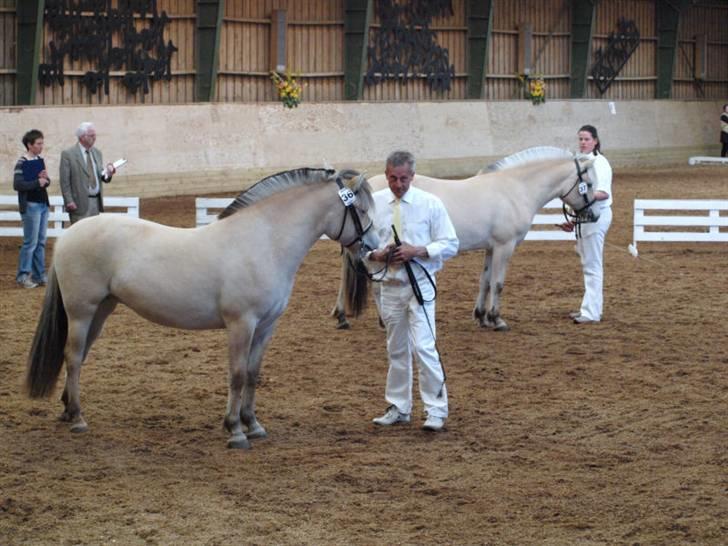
[[46, 354], [356, 287]]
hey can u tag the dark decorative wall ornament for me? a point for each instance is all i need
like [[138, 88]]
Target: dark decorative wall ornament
[[620, 46], [83, 29], [405, 48]]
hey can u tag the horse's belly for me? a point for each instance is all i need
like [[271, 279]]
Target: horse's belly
[[174, 310]]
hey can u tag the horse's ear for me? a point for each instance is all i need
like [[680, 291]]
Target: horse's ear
[[586, 162]]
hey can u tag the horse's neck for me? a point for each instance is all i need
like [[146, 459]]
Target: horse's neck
[[547, 182], [294, 219]]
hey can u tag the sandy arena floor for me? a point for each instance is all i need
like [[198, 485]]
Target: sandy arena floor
[[559, 434]]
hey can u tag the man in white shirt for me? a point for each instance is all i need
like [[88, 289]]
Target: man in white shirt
[[427, 239]]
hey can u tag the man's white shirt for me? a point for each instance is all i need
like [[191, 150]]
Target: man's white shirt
[[425, 222]]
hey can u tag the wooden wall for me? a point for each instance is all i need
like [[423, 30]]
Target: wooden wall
[[451, 33], [551, 24], [8, 33], [315, 49], [181, 30], [638, 78], [316, 53], [710, 19]]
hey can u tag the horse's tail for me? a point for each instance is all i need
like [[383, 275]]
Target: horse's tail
[[356, 287], [46, 354]]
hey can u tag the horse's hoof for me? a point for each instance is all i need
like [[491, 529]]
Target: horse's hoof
[[256, 432], [343, 325], [238, 442], [79, 427]]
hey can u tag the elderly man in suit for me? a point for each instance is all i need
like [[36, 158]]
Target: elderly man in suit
[[82, 174]]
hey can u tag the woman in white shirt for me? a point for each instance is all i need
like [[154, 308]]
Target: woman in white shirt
[[590, 245]]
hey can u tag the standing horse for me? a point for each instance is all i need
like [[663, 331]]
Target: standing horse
[[495, 210], [237, 274]]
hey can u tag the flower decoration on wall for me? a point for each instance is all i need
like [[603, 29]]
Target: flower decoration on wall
[[534, 88], [288, 90]]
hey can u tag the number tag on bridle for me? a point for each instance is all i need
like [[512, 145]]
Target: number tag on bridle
[[583, 188], [347, 197]]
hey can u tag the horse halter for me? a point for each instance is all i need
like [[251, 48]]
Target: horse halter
[[348, 198], [584, 214]]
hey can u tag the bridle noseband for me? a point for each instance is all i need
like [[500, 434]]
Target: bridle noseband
[[581, 215], [348, 198]]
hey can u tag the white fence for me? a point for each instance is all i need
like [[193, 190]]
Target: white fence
[[11, 224], [707, 160], [204, 216], [703, 214]]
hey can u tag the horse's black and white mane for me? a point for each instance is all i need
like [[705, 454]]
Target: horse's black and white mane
[[528, 155], [279, 182]]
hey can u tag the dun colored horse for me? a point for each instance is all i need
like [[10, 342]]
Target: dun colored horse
[[236, 273]]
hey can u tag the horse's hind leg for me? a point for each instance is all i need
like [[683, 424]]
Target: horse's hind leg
[[247, 411], [102, 313], [75, 347], [484, 291]]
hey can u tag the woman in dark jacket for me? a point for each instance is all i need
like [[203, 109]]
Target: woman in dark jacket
[[30, 180]]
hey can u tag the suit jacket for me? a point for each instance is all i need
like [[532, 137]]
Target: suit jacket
[[74, 176]]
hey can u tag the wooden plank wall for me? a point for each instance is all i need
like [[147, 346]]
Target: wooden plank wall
[[638, 78], [8, 34], [451, 34], [551, 23], [315, 49], [316, 52], [181, 88], [710, 19]]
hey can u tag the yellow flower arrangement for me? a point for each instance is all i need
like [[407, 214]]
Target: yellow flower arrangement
[[289, 91], [534, 88]]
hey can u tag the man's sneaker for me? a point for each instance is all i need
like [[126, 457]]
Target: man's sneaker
[[575, 314], [434, 423], [27, 282], [43, 281], [391, 417]]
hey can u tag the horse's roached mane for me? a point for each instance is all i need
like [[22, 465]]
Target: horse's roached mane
[[528, 155], [276, 183]]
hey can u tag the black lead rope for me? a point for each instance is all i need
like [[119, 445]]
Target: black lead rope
[[421, 300]]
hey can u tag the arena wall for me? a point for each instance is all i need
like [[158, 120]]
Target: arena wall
[[212, 148]]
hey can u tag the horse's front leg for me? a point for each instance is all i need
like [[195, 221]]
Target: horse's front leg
[[501, 256], [484, 291], [339, 309], [247, 411], [240, 335]]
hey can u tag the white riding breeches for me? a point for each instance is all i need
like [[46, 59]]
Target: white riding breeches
[[591, 251], [408, 335]]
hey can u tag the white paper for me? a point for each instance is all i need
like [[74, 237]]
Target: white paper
[[117, 164]]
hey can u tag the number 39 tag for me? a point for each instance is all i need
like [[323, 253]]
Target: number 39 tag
[[582, 188], [347, 197]]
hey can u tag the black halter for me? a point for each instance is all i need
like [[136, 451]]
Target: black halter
[[351, 209], [581, 215]]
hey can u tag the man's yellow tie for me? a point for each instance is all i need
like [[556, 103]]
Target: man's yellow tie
[[397, 218]]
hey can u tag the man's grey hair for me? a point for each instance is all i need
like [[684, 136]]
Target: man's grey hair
[[399, 158], [83, 128]]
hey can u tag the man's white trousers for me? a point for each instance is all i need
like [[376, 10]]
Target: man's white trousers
[[591, 251], [408, 335]]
